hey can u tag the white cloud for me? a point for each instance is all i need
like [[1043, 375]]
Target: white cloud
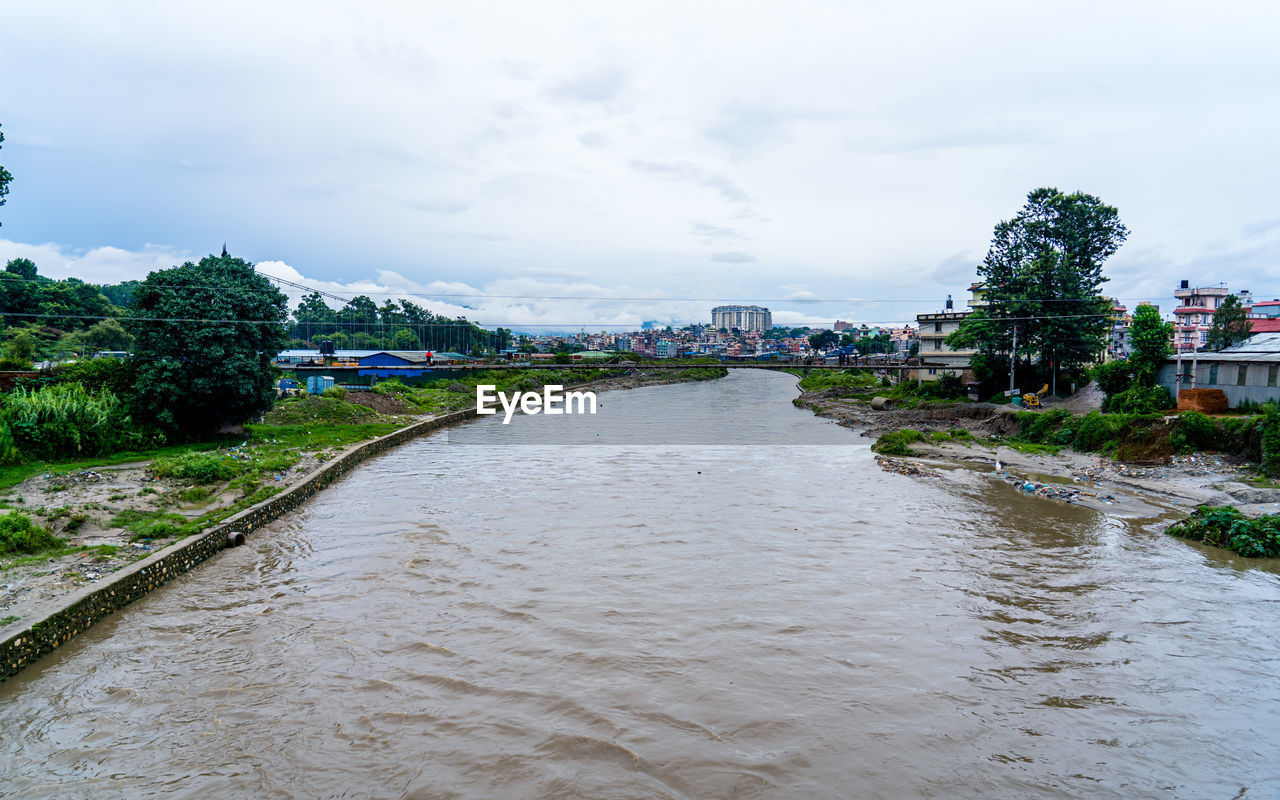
[[860, 145]]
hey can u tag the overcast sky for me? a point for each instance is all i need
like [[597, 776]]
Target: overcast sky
[[776, 153]]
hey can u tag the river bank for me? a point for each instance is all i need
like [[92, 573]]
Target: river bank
[[112, 515], [1164, 491]]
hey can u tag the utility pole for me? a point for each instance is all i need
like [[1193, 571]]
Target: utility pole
[[1013, 360]]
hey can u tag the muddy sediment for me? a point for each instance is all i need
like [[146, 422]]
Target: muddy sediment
[[1169, 486]]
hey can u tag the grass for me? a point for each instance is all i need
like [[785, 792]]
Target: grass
[[13, 474], [151, 524], [822, 380], [957, 435], [1032, 448], [897, 443], [18, 534], [326, 410], [9, 619]]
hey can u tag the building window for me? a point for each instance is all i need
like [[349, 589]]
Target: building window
[[937, 344], [933, 372], [1242, 373], [1271, 374], [937, 327], [1213, 375]]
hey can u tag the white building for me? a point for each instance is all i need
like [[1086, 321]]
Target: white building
[[743, 318]]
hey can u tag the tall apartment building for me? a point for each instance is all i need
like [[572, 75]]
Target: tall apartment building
[[744, 318]]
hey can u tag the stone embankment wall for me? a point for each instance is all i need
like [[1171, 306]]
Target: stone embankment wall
[[91, 604]]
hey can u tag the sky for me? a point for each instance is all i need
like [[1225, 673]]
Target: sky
[[825, 159]]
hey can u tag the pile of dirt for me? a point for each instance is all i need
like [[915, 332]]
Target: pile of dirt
[[382, 403]]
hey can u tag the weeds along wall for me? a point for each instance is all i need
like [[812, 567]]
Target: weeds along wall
[[82, 609]]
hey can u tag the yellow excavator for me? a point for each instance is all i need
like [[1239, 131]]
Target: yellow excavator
[[1033, 400]]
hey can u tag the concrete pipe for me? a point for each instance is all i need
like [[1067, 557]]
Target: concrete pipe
[[882, 403], [235, 539]]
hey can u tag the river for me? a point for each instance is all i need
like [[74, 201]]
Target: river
[[702, 613]]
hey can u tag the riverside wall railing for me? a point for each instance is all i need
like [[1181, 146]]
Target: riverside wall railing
[[81, 610]]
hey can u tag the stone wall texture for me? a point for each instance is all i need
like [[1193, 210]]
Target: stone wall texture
[[85, 607], [1206, 401]]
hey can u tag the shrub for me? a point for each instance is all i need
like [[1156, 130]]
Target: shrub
[[820, 380], [1094, 432], [897, 443], [66, 419], [1271, 444], [1140, 400], [1039, 426], [18, 534], [197, 467], [1228, 528], [1113, 377], [391, 387], [335, 393]]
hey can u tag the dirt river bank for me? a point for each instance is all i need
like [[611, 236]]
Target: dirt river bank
[[1164, 490]]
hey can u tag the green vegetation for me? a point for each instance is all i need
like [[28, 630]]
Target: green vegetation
[[64, 420], [1228, 528], [1130, 384], [207, 467], [8, 619], [196, 376], [18, 534], [5, 178], [1043, 273], [1231, 325], [152, 524], [364, 325], [823, 380], [956, 435], [897, 443], [324, 410]]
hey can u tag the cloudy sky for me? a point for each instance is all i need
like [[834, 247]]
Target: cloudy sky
[[827, 159]]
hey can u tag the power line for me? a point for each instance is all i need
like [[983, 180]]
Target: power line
[[618, 298]]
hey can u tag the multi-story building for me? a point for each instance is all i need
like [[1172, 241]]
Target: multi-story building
[[666, 348], [900, 339], [1118, 343], [842, 326], [978, 295], [1194, 315], [1266, 309], [742, 318], [934, 329]]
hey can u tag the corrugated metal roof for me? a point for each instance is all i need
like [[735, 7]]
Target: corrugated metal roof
[[1262, 347]]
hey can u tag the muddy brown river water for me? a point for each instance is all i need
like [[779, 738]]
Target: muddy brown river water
[[681, 608]]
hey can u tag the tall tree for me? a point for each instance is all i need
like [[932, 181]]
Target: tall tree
[[206, 335], [1043, 273], [1231, 325], [1149, 336], [314, 316], [823, 340], [5, 177]]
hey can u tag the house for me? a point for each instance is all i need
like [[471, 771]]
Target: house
[[938, 358], [1194, 314], [1249, 371], [396, 358]]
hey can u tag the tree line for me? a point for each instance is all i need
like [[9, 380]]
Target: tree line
[[362, 324]]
